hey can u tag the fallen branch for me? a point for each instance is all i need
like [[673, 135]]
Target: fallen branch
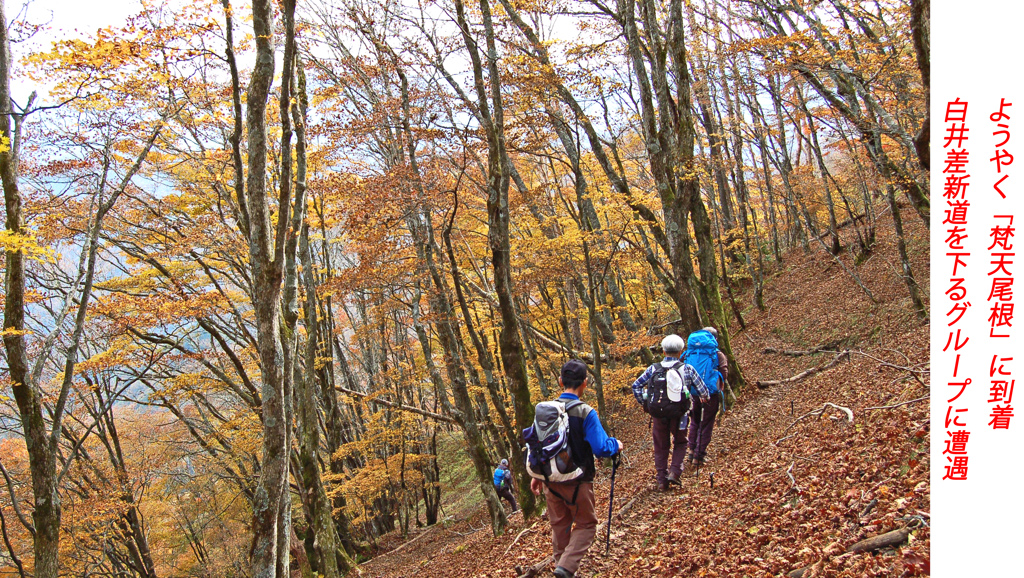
[[768, 473], [657, 328], [525, 530], [792, 480], [398, 406], [894, 538], [815, 412], [406, 543], [823, 348], [914, 371], [471, 531], [898, 404], [535, 569], [846, 410], [800, 573], [807, 373], [867, 509]]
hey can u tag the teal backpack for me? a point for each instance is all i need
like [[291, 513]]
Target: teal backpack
[[702, 354]]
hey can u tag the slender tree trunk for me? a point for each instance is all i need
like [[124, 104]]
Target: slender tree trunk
[[833, 226], [491, 112], [271, 527], [901, 246], [920, 28]]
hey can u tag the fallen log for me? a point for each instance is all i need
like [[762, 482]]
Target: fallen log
[[894, 538], [798, 573], [845, 354]]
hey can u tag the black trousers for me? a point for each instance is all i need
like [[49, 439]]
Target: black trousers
[[506, 493]]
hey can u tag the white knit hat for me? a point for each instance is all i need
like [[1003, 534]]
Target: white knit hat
[[672, 343]]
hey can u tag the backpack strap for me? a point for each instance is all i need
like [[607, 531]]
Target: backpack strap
[[575, 494], [576, 408], [570, 404], [658, 367]]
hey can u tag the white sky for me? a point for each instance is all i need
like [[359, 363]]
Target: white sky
[[67, 19]]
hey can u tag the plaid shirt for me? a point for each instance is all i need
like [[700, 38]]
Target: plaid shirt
[[691, 381]]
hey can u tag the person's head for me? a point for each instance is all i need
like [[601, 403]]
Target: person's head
[[672, 345], [712, 331], [504, 463], [573, 377]]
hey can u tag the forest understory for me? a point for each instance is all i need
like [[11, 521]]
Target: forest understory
[[793, 490], [285, 280]]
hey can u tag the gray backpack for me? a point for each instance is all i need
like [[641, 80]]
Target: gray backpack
[[548, 454]]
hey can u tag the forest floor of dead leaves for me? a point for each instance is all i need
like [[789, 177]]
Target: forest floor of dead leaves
[[776, 506]]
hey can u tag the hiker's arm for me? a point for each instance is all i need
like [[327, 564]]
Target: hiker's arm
[[692, 379], [639, 384], [602, 445], [723, 366]]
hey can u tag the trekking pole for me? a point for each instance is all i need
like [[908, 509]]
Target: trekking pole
[[611, 502]]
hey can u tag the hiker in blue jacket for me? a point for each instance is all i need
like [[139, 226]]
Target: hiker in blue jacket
[[571, 507], [503, 485]]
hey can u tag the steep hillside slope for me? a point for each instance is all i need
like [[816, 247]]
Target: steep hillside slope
[[795, 481]]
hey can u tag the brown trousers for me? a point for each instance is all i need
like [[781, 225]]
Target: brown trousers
[[573, 526]]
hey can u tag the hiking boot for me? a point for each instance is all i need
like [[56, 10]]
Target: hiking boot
[[562, 572], [673, 479], [663, 486]]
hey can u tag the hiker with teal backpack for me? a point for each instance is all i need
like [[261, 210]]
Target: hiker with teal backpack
[[503, 485], [561, 445], [664, 392], [703, 355]]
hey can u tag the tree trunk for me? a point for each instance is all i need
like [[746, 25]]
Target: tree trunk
[[498, 179], [271, 529], [920, 28]]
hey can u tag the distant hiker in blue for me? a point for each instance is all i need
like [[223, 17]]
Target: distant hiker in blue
[[503, 485], [664, 392], [703, 354]]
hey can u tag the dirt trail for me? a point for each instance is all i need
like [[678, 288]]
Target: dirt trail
[[776, 506]]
